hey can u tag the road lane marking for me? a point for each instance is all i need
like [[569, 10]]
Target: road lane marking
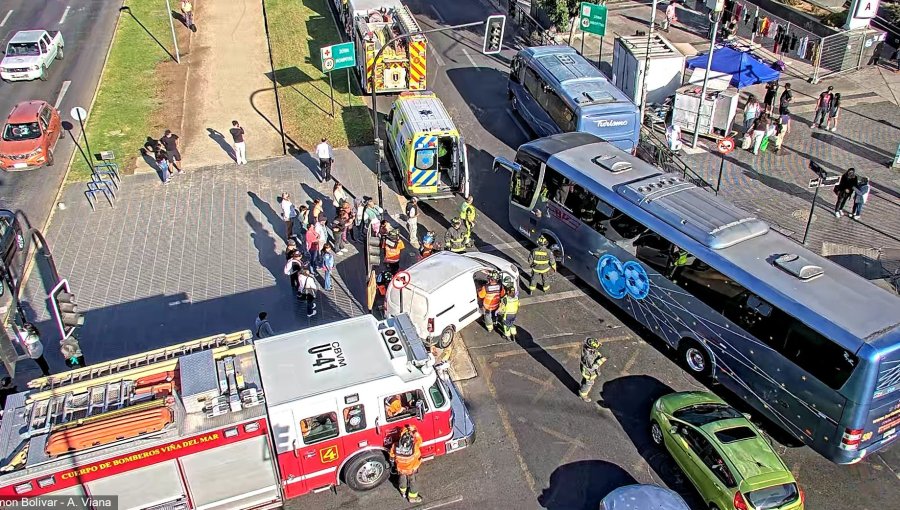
[[62, 93], [471, 60], [443, 502], [437, 14], [547, 298], [518, 124], [65, 13], [630, 362], [535, 380], [438, 59], [8, 14], [558, 435]]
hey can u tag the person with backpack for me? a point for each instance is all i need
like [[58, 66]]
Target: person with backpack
[[262, 327], [293, 268], [307, 291], [407, 457]]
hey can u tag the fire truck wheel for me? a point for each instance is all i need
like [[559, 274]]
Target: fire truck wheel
[[366, 471], [446, 337]]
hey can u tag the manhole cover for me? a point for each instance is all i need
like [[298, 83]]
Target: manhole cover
[[802, 215]]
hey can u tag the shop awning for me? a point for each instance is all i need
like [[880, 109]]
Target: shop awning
[[744, 68]]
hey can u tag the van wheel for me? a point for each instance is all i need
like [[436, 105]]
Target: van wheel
[[49, 158], [366, 472], [59, 54], [695, 358], [446, 337], [43, 73]]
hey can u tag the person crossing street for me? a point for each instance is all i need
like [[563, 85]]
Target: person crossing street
[[490, 294], [591, 361], [506, 313], [407, 457], [467, 214], [455, 238], [541, 261]]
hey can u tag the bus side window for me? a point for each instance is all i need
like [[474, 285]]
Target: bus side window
[[523, 184], [556, 187], [534, 84]]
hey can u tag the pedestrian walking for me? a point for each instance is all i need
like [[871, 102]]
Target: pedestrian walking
[[339, 195], [262, 328], [30, 341], [781, 130], [784, 102], [751, 112], [455, 237], [860, 197], [288, 214], [591, 361], [326, 159], [169, 140], [541, 260], [163, 164], [392, 248], [293, 268], [187, 12], [412, 221], [328, 264], [769, 98], [407, 457], [307, 292], [506, 313], [467, 214], [71, 351], [844, 189], [489, 296], [823, 107], [760, 128], [671, 15], [833, 113], [240, 148]]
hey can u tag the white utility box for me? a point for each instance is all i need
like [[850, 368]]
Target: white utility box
[[718, 113], [664, 74]]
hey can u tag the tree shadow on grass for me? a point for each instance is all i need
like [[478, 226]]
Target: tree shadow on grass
[[144, 27]]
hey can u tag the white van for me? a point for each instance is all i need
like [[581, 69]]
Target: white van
[[442, 295]]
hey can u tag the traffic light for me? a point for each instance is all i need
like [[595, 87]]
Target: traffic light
[[493, 34], [65, 308]]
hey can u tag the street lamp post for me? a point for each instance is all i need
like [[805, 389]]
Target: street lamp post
[[79, 114], [172, 27], [715, 17], [375, 95], [647, 60]]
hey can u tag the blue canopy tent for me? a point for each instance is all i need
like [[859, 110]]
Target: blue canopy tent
[[744, 68]]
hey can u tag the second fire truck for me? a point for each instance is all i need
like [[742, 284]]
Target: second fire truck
[[222, 423], [370, 24]]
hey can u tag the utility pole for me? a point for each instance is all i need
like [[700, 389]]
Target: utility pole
[[375, 95], [172, 27], [715, 16], [647, 60]]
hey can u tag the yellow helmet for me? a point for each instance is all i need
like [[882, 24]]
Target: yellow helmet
[[542, 241], [592, 343]]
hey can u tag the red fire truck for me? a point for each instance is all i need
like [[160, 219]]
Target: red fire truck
[[285, 416]]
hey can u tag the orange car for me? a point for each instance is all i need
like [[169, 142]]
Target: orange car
[[29, 136]]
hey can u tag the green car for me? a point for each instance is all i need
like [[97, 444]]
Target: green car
[[723, 454]]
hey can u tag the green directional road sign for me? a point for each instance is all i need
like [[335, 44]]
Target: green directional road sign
[[592, 18], [339, 56]]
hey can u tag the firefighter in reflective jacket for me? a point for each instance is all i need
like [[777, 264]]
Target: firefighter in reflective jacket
[[407, 456], [455, 238], [467, 215], [541, 261], [393, 248], [591, 361], [490, 295], [509, 307]]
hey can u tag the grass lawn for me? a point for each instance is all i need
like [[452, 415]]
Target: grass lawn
[[129, 94], [297, 30]]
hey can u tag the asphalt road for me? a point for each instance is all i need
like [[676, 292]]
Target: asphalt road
[[87, 28], [554, 450]]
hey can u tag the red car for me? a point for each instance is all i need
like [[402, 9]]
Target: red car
[[29, 136]]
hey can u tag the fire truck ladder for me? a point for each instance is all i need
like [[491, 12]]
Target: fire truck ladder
[[79, 408], [139, 360], [406, 20]]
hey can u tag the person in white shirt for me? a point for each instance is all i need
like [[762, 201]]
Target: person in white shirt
[[673, 136], [671, 16], [326, 158], [307, 291], [288, 214]]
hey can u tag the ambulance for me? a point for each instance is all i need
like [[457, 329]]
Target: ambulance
[[426, 148], [223, 423]]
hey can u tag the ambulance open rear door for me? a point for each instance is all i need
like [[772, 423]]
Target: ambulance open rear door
[[459, 173]]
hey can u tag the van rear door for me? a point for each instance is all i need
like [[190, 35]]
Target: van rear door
[[459, 174]]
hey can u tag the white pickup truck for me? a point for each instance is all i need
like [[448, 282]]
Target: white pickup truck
[[29, 53]]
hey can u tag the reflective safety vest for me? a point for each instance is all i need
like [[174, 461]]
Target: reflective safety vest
[[490, 296], [392, 250], [509, 305], [540, 259], [408, 462], [681, 258], [467, 212], [455, 240]]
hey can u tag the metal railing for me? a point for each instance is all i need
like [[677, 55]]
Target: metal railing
[[654, 149], [528, 28], [844, 52]]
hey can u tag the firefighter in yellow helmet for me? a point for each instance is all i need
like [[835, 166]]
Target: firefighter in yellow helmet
[[506, 314], [455, 238], [467, 215], [591, 361], [407, 456], [541, 261]]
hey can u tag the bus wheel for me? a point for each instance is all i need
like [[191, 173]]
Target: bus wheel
[[695, 358], [366, 471]]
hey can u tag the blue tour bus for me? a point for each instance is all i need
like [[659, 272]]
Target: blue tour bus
[[555, 90], [807, 343]]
